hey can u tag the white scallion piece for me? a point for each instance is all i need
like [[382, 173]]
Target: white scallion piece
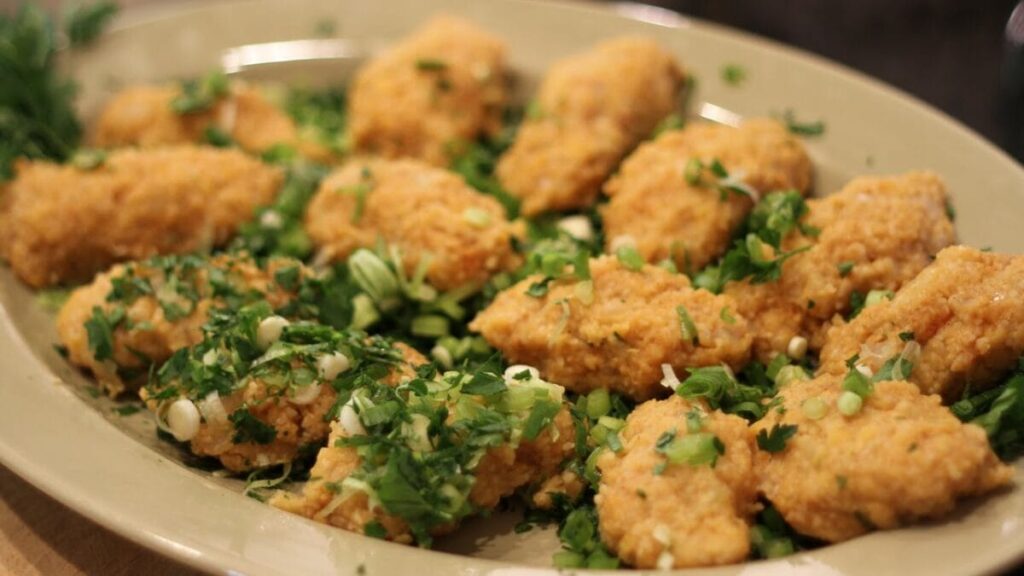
[[621, 241], [183, 419], [330, 365], [269, 331], [797, 348], [670, 381], [306, 394], [579, 227], [349, 420]]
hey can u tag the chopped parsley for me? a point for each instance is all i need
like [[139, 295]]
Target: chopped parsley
[[85, 22], [277, 229], [99, 329], [249, 428], [845, 268], [733, 74], [774, 440], [320, 115], [1000, 412], [476, 162], [200, 95], [802, 128], [37, 115], [757, 253]]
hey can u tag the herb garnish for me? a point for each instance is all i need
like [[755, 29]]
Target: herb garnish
[[774, 440]]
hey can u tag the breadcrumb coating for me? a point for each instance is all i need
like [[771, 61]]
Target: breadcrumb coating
[[652, 202], [883, 230], [148, 336], [62, 224], [501, 471], [904, 457], [591, 109], [964, 310], [296, 424], [697, 515], [426, 212], [142, 116], [438, 89], [620, 339]]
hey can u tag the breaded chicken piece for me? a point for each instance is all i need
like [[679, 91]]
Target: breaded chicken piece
[[688, 514], [297, 422], [142, 116], [500, 472], [652, 202], [440, 88], [62, 224], [426, 212], [882, 230], [147, 335], [965, 312], [592, 109], [620, 339], [903, 457]]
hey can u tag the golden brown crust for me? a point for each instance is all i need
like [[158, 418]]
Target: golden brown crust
[[593, 108], [442, 86], [669, 218], [964, 310], [902, 458], [620, 340], [152, 337], [425, 212], [142, 116], [65, 224], [501, 472], [697, 514], [886, 229]]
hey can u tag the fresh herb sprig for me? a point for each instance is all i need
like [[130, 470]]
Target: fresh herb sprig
[[1000, 412], [37, 117], [757, 253]]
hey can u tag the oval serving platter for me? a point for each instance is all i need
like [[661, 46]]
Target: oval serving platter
[[56, 432]]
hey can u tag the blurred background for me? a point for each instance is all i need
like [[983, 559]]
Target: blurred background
[[962, 56], [965, 57]]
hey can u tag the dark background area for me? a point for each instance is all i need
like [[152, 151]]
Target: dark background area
[[949, 53]]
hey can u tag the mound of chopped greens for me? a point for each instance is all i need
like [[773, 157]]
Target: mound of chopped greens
[[37, 117]]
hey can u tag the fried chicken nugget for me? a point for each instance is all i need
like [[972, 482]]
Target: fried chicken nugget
[[876, 233], [592, 109], [902, 458], [142, 116], [632, 325], [157, 319], [501, 471], [62, 224], [687, 514], [963, 310], [441, 87], [426, 212], [652, 202], [297, 422]]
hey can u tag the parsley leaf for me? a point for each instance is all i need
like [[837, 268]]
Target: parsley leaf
[[802, 128], [85, 22], [775, 440], [249, 428]]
